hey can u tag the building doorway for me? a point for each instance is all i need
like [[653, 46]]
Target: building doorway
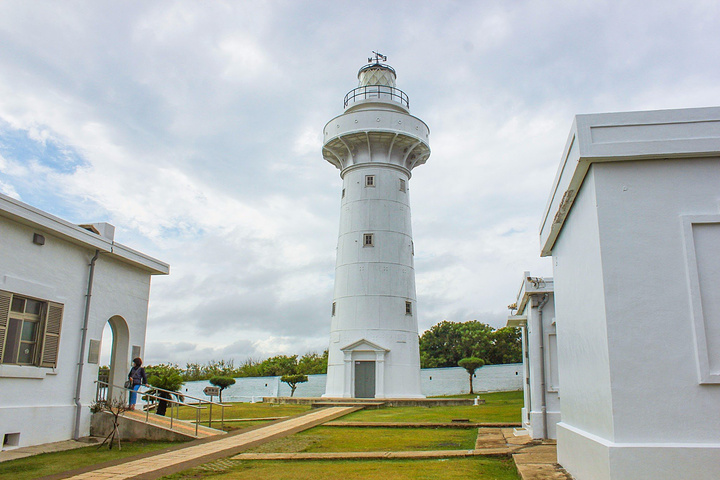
[[114, 353], [364, 379]]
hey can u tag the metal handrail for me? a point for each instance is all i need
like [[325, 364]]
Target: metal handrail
[[147, 410], [201, 401], [375, 91]]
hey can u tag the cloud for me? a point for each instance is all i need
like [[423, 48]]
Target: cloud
[[195, 128]]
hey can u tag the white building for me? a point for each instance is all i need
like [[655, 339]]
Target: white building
[[633, 227], [375, 144], [535, 315], [60, 284]]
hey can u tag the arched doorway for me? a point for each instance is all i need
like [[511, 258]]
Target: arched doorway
[[115, 352]]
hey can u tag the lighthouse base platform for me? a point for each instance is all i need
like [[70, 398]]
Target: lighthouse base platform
[[374, 402]]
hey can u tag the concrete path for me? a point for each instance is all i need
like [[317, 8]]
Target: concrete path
[[203, 451], [539, 462], [185, 427]]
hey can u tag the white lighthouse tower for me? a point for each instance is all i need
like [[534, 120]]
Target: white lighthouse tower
[[374, 330]]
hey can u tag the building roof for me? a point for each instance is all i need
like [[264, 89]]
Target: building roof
[[52, 225], [613, 137], [530, 286]]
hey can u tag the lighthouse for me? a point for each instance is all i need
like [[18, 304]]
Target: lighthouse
[[375, 143]]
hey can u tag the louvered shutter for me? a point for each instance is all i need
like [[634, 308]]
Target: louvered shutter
[[4, 315], [51, 337]]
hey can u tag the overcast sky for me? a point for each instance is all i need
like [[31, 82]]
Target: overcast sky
[[196, 128]]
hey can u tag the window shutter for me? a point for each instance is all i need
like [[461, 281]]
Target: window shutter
[[51, 339], [4, 315]]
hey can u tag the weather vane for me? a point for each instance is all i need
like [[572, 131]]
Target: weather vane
[[378, 58]]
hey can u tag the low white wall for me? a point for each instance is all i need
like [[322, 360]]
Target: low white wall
[[454, 381], [434, 382]]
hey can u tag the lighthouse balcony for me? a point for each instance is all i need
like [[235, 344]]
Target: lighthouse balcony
[[373, 93]]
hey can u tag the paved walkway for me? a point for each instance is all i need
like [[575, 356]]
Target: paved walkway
[[183, 426], [211, 449]]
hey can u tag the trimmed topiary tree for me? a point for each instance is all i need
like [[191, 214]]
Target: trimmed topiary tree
[[293, 380], [168, 377], [470, 365], [223, 383]]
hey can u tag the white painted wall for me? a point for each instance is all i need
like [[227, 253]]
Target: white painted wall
[[434, 382], [38, 403], [540, 356], [632, 277]]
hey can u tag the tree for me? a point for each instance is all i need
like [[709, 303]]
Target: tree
[[313, 363], [115, 407], [166, 377], [293, 380], [279, 365], [470, 365], [223, 383], [505, 346], [446, 343]]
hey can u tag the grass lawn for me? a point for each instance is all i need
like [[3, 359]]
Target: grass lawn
[[51, 463], [333, 439], [498, 407], [478, 468], [245, 410]]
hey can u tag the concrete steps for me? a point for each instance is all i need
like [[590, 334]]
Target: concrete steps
[[136, 425]]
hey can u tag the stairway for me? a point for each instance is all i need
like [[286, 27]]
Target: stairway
[[135, 425]]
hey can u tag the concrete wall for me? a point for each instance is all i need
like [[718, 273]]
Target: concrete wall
[[636, 269], [542, 354], [38, 403], [434, 381], [101, 424]]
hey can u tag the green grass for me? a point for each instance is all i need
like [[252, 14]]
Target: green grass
[[245, 410], [477, 468], [333, 439], [498, 407], [52, 463]]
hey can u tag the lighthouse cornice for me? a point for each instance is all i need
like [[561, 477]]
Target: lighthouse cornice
[[376, 135]]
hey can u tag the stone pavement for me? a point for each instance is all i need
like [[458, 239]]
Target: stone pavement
[[539, 462], [207, 450]]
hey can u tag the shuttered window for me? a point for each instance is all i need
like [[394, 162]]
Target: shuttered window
[[29, 330]]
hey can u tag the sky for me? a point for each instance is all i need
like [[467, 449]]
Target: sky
[[195, 127]]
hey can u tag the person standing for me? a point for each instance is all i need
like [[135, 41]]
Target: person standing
[[137, 377]]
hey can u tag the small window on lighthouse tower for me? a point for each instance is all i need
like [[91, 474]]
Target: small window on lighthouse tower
[[343, 193], [408, 308], [333, 309], [369, 180], [368, 240], [403, 187]]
